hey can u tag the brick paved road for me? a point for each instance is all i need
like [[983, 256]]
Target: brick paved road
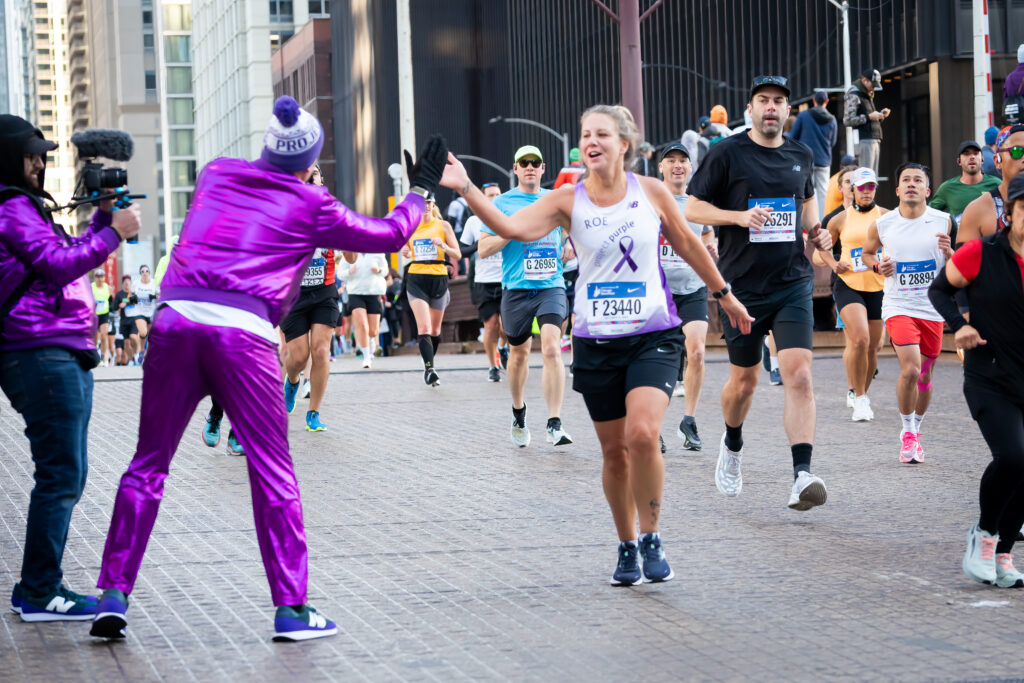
[[445, 554]]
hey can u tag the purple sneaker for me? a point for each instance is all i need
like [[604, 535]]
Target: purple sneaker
[[110, 621], [305, 623]]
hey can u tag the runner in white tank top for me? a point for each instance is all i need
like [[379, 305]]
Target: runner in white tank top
[[627, 339], [916, 242]]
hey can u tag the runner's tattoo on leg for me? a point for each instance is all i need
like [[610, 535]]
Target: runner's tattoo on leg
[[655, 508]]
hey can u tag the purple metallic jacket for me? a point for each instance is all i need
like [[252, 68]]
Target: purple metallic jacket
[[58, 308], [252, 229]]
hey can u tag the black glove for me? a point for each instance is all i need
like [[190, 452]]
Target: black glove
[[426, 172]]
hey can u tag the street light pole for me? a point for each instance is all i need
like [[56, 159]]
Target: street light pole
[[564, 137], [504, 171], [844, 7]]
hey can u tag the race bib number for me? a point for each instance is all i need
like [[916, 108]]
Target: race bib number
[[424, 250], [616, 308], [540, 263], [314, 274], [781, 223], [668, 256], [858, 261], [914, 276]]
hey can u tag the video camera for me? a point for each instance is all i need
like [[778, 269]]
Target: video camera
[[95, 177]]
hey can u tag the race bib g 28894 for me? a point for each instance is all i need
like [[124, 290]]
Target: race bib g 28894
[[913, 276], [781, 223]]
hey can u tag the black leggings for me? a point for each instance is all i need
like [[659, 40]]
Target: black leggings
[[1001, 420]]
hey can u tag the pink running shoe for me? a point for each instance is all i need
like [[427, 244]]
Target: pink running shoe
[[919, 454], [908, 447]]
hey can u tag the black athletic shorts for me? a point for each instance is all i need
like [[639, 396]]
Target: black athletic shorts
[[787, 311], [430, 288], [119, 343], [692, 307], [520, 306], [844, 295], [369, 302], [605, 370], [102, 319], [486, 296], [313, 307], [128, 327]]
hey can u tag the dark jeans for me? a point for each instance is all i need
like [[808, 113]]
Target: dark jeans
[[54, 396]]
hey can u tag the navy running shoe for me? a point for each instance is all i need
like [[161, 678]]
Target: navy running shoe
[[291, 392], [110, 621], [627, 572], [304, 623], [60, 605], [656, 567]]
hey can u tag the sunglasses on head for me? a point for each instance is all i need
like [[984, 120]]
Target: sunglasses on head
[[536, 163], [866, 187], [1015, 152], [486, 185]]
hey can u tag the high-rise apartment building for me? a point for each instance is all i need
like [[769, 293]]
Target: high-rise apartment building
[[232, 43], [78, 64]]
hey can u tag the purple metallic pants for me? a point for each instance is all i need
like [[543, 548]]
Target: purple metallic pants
[[185, 362]]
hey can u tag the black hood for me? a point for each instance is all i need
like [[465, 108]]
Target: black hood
[[821, 115]]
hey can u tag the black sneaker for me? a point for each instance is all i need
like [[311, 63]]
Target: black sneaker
[[661, 443], [430, 377], [494, 375], [688, 433], [503, 357]]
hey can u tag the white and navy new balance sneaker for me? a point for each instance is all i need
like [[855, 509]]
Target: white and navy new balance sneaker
[[60, 605], [627, 571], [110, 621], [305, 623]]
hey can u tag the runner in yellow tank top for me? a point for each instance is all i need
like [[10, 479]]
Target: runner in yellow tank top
[[101, 293], [858, 291]]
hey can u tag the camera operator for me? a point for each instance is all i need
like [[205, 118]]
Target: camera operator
[[47, 333]]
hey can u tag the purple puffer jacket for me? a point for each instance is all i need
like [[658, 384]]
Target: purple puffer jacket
[[253, 228], [58, 309]]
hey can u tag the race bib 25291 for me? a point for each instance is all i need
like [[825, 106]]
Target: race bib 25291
[[781, 223]]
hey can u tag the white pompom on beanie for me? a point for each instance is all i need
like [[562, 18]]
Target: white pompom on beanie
[[294, 137]]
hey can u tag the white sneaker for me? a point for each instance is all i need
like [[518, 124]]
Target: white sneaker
[[980, 557], [557, 435], [808, 491], [728, 475], [367, 361], [862, 409], [520, 435], [304, 389], [680, 389], [1007, 575], [850, 396]]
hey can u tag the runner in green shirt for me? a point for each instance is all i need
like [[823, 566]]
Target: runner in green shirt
[[955, 194]]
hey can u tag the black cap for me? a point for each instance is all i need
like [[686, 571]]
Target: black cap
[[674, 147], [21, 135], [768, 81], [1016, 189], [968, 144]]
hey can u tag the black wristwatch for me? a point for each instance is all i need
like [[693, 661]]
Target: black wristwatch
[[722, 292]]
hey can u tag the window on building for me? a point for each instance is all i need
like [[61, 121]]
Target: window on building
[[147, 40], [183, 173], [151, 81], [178, 48], [281, 11], [180, 202], [177, 18], [179, 80], [319, 8], [279, 38], [147, 18], [182, 144], [180, 111]]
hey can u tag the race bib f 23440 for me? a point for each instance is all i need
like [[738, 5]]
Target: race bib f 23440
[[615, 308], [781, 223]]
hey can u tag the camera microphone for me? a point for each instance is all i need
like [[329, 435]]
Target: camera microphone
[[101, 142]]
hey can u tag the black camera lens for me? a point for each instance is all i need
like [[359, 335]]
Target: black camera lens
[[113, 177]]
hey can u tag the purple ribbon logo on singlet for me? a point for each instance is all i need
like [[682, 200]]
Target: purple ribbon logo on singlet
[[626, 247]]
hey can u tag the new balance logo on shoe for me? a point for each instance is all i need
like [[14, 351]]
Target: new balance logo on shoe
[[60, 605]]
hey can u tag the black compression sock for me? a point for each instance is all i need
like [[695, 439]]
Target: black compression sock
[[801, 458], [520, 415], [434, 341], [734, 438], [426, 352]]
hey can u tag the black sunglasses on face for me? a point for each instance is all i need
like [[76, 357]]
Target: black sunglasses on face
[[1015, 152], [536, 163]]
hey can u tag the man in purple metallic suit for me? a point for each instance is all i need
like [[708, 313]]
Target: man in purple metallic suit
[[235, 272]]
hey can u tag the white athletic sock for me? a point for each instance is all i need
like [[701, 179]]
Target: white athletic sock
[[917, 422], [774, 362], [365, 351], [908, 423]]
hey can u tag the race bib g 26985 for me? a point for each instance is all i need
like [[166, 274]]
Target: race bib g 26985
[[539, 263]]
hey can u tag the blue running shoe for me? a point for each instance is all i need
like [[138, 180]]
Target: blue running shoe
[[774, 377], [313, 423], [211, 432], [234, 448], [627, 572], [656, 567], [291, 391], [304, 623], [60, 605], [15, 600], [110, 621]]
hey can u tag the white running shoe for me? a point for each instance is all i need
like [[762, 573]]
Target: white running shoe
[[1007, 575], [980, 556], [808, 491], [520, 435], [305, 389], [850, 396], [680, 389], [728, 475], [862, 409], [367, 363], [557, 435]]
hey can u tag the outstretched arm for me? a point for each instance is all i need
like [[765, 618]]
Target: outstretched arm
[[339, 227]]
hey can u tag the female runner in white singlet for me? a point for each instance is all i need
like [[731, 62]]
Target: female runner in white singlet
[[626, 338]]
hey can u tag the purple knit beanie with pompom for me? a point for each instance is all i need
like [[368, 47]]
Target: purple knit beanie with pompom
[[294, 137]]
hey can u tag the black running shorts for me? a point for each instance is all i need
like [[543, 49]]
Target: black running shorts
[[368, 302], [486, 297], [520, 306], [430, 288], [315, 307], [788, 312], [692, 307], [845, 295]]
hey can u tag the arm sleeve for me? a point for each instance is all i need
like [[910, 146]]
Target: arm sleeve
[[967, 259], [338, 227], [942, 295], [34, 242], [850, 106]]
